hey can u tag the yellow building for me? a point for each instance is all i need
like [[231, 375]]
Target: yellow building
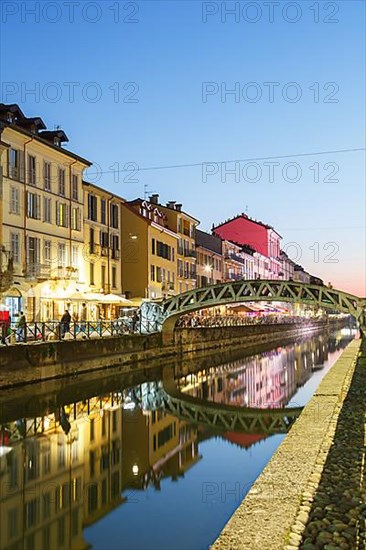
[[184, 225], [42, 215], [149, 252]]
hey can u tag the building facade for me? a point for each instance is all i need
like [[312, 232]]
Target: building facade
[[102, 229], [42, 214], [210, 265], [184, 226], [150, 252], [258, 235]]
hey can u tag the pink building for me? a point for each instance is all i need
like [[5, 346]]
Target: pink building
[[262, 237]]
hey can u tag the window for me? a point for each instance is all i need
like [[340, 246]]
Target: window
[[114, 277], [92, 207], [12, 523], [15, 247], [152, 272], [103, 275], [75, 256], [153, 246], [158, 275], [114, 216], [33, 206], [75, 188], [62, 262], [14, 164], [103, 211], [47, 252], [31, 513], [91, 273], [47, 210], [32, 170], [33, 250], [61, 182], [62, 214], [75, 219], [47, 176], [14, 200], [115, 247], [104, 239]]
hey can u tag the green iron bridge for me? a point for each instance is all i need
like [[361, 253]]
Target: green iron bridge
[[166, 395], [261, 290]]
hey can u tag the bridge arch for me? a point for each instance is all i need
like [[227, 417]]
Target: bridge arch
[[260, 290]]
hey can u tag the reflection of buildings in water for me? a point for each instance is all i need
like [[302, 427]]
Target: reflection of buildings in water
[[159, 446], [64, 471], [268, 380], [54, 483]]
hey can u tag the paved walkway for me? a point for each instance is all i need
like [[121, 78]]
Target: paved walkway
[[338, 512]]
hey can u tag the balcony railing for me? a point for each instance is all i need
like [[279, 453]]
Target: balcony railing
[[189, 253], [104, 251], [94, 248], [235, 257], [115, 254], [38, 271]]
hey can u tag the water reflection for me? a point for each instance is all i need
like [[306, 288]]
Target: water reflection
[[70, 466]]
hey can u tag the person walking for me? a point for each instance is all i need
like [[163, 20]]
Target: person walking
[[65, 323], [21, 325]]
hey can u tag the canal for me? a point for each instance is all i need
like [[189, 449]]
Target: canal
[[98, 463]]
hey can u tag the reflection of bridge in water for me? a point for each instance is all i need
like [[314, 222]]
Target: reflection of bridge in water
[[167, 396]]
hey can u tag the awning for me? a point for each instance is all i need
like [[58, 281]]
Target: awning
[[115, 299]]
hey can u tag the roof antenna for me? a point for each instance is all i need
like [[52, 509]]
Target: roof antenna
[[146, 192], [246, 209]]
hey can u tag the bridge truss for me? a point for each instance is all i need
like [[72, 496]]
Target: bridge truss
[[263, 290]]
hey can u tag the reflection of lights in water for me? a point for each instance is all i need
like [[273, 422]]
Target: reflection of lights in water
[[129, 406], [46, 423], [101, 413], [295, 364], [30, 464], [135, 470], [5, 450], [286, 376]]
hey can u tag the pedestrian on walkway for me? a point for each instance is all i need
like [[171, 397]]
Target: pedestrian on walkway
[[65, 323], [83, 317], [21, 325]]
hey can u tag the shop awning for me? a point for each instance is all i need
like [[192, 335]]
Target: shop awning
[[116, 299]]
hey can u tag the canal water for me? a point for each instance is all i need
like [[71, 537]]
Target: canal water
[[99, 464]]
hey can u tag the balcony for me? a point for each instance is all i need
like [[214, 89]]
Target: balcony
[[168, 287], [115, 254], [235, 257], [180, 250], [38, 271], [189, 253], [104, 251], [63, 272], [234, 276], [94, 248]]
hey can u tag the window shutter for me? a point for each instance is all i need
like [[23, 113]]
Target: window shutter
[[67, 215], [79, 219], [38, 206], [57, 214]]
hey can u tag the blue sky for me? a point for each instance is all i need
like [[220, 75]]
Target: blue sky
[[168, 54]]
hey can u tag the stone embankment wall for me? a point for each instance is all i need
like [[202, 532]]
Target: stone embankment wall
[[34, 362], [276, 510]]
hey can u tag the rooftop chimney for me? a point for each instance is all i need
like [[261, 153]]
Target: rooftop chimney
[[154, 199], [171, 204], [179, 207]]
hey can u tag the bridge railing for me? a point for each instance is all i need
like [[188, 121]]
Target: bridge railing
[[203, 321]]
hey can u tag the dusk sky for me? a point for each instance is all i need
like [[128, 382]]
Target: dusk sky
[[149, 88]]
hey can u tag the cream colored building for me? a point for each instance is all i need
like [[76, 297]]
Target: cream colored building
[[42, 215], [102, 237]]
